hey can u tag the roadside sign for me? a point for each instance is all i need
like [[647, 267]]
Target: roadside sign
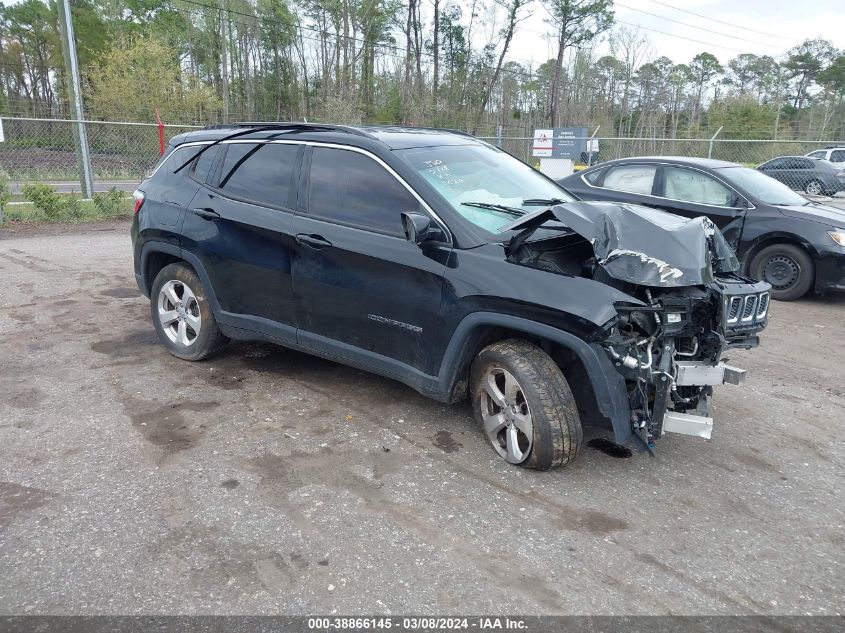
[[543, 143], [560, 142]]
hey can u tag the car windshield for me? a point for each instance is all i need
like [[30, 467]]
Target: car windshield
[[485, 185], [760, 186]]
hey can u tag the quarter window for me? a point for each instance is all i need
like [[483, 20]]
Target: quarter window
[[203, 164], [350, 188], [260, 172], [631, 178], [694, 186]]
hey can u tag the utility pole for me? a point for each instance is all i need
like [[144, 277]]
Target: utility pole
[[83, 159], [224, 45]]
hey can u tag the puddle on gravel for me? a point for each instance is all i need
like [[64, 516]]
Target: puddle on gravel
[[446, 443]]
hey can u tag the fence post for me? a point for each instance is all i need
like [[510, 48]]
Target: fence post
[[499, 136], [590, 146], [75, 94], [713, 138]]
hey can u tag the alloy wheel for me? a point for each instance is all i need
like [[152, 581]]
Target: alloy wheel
[[506, 415], [179, 313]]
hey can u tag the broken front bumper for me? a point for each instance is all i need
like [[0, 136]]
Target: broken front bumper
[[696, 374]]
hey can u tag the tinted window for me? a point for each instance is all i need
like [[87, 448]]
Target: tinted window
[[203, 164], [593, 176], [800, 163], [776, 163], [350, 188], [631, 178], [178, 157], [694, 186], [837, 156], [262, 172]]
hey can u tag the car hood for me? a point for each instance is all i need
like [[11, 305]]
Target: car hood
[[641, 245], [815, 213]]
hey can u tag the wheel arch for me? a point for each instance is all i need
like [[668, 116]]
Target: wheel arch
[[771, 239], [156, 255], [599, 390]]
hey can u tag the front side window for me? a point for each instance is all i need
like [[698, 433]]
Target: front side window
[[350, 188], [260, 172], [631, 178], [837, 156], [694, 186], [483, 184], [819, 154]]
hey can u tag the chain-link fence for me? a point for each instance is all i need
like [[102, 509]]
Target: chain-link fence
[[748, 152], [45, 149]]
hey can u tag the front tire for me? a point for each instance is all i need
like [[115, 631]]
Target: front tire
[[182, 316], [523, 403], [788, 268]]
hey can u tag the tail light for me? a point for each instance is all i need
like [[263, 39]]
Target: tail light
[[138, 197]]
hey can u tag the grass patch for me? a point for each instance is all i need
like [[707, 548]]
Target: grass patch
[[81, 211]]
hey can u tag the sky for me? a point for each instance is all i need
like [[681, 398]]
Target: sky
[[762, 27]]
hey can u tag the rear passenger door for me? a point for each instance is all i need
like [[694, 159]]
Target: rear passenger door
[[363, 292], [238, 225]]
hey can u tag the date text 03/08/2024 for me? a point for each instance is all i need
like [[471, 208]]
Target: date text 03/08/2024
[[416, 623]]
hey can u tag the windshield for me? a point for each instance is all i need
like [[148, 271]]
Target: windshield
[[760, 186], [485, 185]]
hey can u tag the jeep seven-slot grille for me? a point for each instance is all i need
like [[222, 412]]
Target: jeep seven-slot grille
[[746, 310]]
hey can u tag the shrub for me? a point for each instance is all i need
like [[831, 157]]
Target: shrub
[[111, 203], [45, 199], [5, 196]]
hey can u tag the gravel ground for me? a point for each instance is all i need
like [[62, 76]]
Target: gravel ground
[[267, 481]]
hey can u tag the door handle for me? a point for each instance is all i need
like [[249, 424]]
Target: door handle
[[312, 241], [206, 214]]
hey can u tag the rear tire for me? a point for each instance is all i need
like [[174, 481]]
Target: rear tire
[[787, 267], [523, 403], [814, 188], [182, 316]]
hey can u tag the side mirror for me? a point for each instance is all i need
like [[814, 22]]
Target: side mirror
[[419, 228]]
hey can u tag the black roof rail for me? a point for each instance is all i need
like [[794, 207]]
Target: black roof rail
[[299, 125]]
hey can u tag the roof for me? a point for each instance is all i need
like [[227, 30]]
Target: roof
[[393, 137], [709, 163]]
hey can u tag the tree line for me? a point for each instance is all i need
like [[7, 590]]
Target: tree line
[[443, 63]]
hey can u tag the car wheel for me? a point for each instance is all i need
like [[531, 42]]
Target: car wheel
[[787, 267], [814, 188], [182, 316], [523, 402]]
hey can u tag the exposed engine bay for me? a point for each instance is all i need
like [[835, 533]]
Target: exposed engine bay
[[688, 303]]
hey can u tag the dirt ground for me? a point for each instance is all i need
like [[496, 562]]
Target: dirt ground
[[266, 481]]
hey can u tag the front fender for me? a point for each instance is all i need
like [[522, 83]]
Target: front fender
[[602, 386]]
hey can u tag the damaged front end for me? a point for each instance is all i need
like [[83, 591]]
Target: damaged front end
[[688, 305]]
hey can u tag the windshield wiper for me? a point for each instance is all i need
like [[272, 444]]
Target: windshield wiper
[[541, 202], [495, 207]]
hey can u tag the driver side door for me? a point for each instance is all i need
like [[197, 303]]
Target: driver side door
[[363, 292]]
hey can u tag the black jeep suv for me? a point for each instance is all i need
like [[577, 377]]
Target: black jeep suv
[[436, 259]]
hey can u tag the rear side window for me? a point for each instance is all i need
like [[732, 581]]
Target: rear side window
[[631, 178], [694, 186], [350, 188], [203, 164], [837, 156], [260, 172]]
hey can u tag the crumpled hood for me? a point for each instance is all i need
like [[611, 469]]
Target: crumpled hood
[[641, 245]]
